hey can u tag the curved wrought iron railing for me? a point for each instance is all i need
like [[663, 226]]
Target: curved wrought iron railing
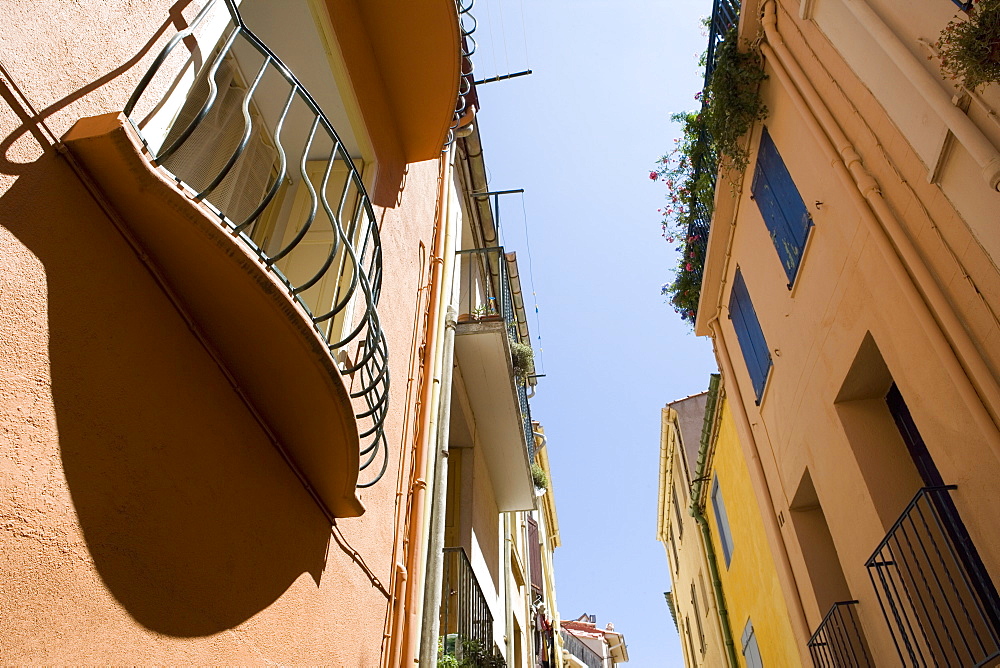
[[349, 322], [466, 26]]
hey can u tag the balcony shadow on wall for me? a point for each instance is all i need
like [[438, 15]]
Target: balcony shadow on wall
[[191, 517]]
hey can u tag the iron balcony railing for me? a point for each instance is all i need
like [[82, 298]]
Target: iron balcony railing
[[257, 144], [580, 650], [466, 620], [466, 88], [839, 641], [725, 17], [934, 591], [522, 400], [485, 295]]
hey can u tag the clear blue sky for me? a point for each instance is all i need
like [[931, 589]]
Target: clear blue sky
[[580, 136]]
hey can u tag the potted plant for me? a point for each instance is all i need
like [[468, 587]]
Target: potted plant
[[539, 477], [970, 46], [523, 358]]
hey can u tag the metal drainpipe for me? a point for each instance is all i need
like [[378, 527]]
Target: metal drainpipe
[[698, 512], [538, 434], [964, 128], [435, 549], [508, 607], [403, 647]]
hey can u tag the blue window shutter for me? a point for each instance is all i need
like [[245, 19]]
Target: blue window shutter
[[751, 651], [780, 206], [722, 521], [756, 354]]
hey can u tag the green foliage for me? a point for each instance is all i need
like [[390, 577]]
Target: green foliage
[[539, 477], [523, 358], [473, 654], [732, 99], [710, 139], [477, 655], [689, 174], [445, 660], [970, 47]]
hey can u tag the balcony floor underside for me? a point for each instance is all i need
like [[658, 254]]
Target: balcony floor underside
[[242, 313]]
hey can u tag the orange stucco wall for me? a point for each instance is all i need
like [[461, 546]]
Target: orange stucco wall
[[846, 290], [144, 515]]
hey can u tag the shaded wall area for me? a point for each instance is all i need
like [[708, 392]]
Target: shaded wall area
[[153, 469], [143, 512]]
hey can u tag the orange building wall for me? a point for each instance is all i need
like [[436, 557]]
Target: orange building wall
[[144, 516]]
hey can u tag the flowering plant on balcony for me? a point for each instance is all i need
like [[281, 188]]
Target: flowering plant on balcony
[[970, 46], [711, 139], [688, 171]]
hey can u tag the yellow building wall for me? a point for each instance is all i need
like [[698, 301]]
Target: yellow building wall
[[686, 556], [750, 583]]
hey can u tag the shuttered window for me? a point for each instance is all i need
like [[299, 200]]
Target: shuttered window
[[722, 522], [781, 206], [749, 334], [751, 651], [534, 559]]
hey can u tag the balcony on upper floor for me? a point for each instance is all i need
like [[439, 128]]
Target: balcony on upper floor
[[466, 620], [490, 324], [580, 654], [936, 596], [723, 20], [839, 639], [242, 179]]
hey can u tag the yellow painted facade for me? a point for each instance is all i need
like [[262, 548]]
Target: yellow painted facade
[[750, 583], [692, 602]]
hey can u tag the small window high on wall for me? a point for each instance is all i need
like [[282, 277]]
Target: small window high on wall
[[781, 206], [756, 354]]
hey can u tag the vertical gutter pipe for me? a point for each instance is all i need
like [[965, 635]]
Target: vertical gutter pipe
[[963, 127], [508, 607], [439, 499], [403, 646]]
